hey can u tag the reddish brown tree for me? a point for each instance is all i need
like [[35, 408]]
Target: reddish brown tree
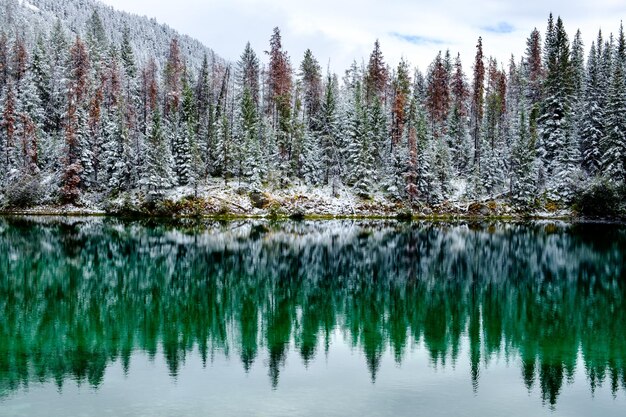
[[280, 93], [460, 91], [173, 83], [279, 75], [401, 91], [4, 60], [535, 66], [438, 95], [20, 59], [30, 146], [77, 92], [376, 76], [94, 124], [79, 71], [8, 124], [149, 92], [113, 84]]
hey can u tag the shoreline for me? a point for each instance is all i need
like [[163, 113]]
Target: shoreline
[[400, 216], [299, 203]]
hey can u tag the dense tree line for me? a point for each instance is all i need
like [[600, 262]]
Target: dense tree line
[[81, 113]]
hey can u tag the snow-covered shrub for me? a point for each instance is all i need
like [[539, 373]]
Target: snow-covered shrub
[[24, 191]]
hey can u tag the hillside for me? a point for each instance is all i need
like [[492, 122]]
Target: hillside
[[148, 38]]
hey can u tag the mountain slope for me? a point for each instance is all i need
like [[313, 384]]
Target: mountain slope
[[148, 37]]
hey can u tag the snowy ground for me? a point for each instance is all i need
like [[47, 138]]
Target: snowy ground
[[241, 199]]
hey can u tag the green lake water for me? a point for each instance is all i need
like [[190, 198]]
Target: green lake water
[[102, 317]]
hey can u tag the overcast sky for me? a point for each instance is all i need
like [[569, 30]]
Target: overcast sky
[[339, 31]]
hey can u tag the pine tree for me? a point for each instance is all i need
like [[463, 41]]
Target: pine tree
[[535, 71], [4, 60], [20, 59], [457, 120], [149, 93], [523, 190], [614, 142], [401, 87], [311, 160], [127, 54], [361, 136], [311, 78], [248, 73], [592, 124], [280, 96], [77, 154], [184, 134], [120, 157], [493, 168], [58, 57], [376, 76], [173, 73], [96, 36], [158, 173], [328, 136], [225, 158], [9, 121], [556, 119], [477, 103], [438, 96], [40, 70], [248, 135]]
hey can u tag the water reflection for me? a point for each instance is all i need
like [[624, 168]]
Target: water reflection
[[76, 295]]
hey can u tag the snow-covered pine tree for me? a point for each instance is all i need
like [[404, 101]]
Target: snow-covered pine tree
[[614, 141], [329, 133], [158, 175], [401, 90], [460, 147], [121, 178], [243, 128], [96, 38], [8, 127], [493, 169], [184, 132], [311, 159], [556, 120], [312, 89], [360, 136], [225, 158], [592, 122], [477, 105], [248, 74], [523, 187], [4, 59]]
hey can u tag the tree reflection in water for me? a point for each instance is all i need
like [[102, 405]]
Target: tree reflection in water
[[77, 294]]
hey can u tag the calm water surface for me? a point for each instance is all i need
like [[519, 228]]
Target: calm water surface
[[100, 317]]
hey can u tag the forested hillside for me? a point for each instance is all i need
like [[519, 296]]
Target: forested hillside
[[97, 104]]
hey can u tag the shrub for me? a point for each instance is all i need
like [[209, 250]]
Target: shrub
[[24, 191], [601, 198], [404, 215]]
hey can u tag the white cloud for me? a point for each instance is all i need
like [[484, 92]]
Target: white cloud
[[342, 31]]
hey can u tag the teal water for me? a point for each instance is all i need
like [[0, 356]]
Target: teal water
[[102, 317]]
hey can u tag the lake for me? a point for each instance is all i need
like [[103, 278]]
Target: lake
[[104, 317]]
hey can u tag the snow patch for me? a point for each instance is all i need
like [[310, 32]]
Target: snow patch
[[32, 7]]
